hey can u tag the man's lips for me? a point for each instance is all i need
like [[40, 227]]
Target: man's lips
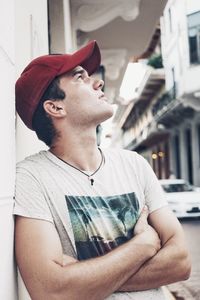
[[103, 97]]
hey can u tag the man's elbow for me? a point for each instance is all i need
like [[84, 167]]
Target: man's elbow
[[187, 269], [66, 286], [52, 285], [59, 288], [184, 266]]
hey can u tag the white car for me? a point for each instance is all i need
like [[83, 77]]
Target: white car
[[183, 198]]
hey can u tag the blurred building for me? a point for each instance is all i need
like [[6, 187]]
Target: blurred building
[[137, 127], [163, 121], [181, 56]]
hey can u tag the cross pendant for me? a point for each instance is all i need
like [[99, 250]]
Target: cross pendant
[[91, 180]]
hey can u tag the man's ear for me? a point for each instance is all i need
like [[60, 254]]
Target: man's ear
[[54, 108]]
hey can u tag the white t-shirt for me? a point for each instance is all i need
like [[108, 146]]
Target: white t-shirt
[[91, 220]]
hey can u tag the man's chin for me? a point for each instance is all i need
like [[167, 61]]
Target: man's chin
[[107, 115]]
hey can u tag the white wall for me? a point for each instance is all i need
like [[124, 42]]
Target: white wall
[[175, 47], [7, 150], [175, 44], [192, 83], [31, 40], [192, 6]]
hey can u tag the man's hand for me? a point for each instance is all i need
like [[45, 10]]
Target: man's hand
[[146, 233], [67, 260], [172, 257]]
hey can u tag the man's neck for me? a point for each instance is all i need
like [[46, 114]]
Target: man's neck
[[79, 149]]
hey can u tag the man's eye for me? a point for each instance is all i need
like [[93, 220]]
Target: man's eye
[[80, 76]]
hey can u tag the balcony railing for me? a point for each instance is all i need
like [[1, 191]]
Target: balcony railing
[[163, 102]]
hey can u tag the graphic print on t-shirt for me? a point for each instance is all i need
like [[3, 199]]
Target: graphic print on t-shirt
[[100, 224]]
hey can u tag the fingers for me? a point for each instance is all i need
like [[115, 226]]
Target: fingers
[[68, 260], [144, 215], [142, 221], [145, 212]]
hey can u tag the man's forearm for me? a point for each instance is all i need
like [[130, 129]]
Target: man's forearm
[[170, 264], [98, 278]]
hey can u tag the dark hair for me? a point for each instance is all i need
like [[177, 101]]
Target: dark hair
[[42, 122]]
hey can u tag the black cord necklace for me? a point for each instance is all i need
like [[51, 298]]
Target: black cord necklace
[[89, 176]]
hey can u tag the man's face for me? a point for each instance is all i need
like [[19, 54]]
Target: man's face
[[85, 102]]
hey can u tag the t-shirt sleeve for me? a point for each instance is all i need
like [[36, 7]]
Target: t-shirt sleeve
[[153, 192], [30, 199]]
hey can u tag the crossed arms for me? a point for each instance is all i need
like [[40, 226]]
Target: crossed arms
[[142, 263]]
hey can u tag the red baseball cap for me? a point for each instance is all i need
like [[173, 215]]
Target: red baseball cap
[[37, 76]]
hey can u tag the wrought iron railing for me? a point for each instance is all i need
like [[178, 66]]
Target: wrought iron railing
[[164, 100]]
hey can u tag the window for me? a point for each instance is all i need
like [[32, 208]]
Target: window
[[194, 37]]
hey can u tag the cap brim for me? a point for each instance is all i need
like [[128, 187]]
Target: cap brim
[[88, 57]]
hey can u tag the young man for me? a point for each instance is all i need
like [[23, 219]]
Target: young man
[[81, 216]]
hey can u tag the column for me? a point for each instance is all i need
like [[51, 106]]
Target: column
[[172, 162], [195, 154], [183, 155]]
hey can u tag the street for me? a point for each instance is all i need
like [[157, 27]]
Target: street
[[190, 289]]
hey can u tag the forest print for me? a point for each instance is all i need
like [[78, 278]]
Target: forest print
[[100, 224]]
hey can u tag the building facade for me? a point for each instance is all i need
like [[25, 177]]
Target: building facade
[[163, 122], [180, 27]]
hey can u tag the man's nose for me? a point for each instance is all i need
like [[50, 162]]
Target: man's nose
[[98, 84]]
